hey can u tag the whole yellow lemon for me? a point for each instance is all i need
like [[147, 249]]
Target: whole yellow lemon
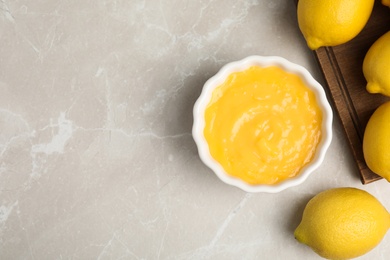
[[332, 22], [343, 223], [376, 141], [376, 66]]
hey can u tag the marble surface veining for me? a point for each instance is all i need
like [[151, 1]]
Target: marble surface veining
[[97, 160]]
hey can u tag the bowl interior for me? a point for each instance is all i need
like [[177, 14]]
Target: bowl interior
[[219, 78]]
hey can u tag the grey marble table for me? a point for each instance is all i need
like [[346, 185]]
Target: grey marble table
[[97, 160]]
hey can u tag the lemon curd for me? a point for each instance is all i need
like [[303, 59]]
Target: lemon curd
[[263, 125]]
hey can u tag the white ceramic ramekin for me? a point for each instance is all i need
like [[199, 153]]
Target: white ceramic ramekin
[[263, 61]]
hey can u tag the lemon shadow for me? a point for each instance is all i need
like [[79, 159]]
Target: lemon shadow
[[296, 212]]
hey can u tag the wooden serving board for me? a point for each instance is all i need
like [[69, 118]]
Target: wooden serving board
[[342, 70]]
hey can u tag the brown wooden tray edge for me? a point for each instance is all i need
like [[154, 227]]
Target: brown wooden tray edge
[[345, 111]]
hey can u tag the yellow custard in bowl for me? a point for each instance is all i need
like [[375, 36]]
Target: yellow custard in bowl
[[262, 124]]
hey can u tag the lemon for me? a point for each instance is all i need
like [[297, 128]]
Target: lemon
[[386, 2], [376, 66], [343, 223], [376, 141], [332, 22]]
